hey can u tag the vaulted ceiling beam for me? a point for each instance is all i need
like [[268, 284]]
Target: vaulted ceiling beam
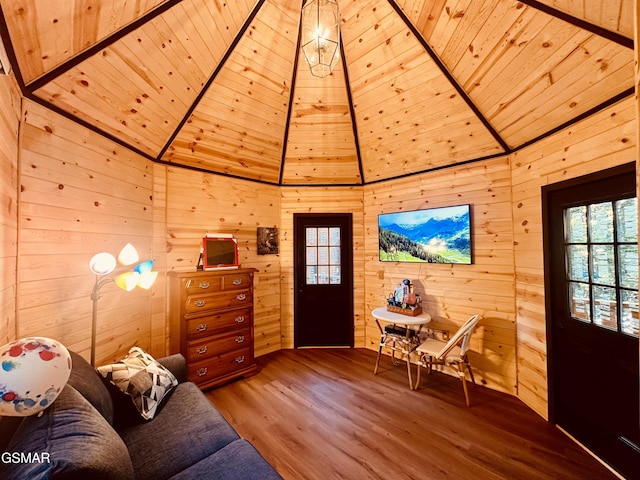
[[213, 76], [454, 83], [352, 112], [101, 45], [294, 76], [590, 27]]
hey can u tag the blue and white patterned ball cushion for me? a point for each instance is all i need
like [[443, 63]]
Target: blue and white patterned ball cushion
[[141, 377]]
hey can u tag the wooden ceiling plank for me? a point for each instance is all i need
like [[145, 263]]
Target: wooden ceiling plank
[[450, 20], [509, 55], [563, 88], [91, 109], [490, 40], [544, 63], [24, 40], [205, 133]]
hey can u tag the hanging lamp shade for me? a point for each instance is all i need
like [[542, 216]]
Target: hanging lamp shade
[[320, 39]]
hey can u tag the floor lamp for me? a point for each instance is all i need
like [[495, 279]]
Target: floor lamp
[[102, 264]]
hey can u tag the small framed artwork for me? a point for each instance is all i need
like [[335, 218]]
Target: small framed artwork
[[267, 240]]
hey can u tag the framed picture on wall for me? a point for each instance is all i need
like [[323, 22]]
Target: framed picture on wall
[[267, 240]]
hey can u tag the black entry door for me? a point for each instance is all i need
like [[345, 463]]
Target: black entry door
[[591, 274], [323, 278]]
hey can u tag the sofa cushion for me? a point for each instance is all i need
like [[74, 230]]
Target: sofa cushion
[[91, 386], [69, 440], [141, 377], [186, 429], [237, 461]]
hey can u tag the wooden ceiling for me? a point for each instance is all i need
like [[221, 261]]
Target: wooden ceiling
[[219, 85]]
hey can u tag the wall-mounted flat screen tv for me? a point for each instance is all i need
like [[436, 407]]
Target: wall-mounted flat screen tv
[[434, 235]]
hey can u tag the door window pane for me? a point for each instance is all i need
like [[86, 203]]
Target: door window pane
[[601, 253], [578, 259], [580, 301], [322, 255], [603, 265], [629, 312], [628, 265], [604, 307], [601, 222], [627, 220], [576, 221]]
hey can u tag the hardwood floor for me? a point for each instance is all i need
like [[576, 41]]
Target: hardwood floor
[[322, 414]]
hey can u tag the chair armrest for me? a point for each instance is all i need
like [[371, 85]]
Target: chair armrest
[[177, 364]]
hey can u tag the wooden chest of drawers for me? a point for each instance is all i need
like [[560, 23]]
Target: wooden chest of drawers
[[212, 324]]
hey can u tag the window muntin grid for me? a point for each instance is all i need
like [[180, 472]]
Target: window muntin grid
[[601, 251], [322, 255]]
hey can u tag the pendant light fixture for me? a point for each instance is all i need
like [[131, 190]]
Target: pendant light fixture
[[320, 36]]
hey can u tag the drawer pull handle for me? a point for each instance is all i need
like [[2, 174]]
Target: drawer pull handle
[[202, 327], [237, 281], [239, 319], [240, 339], [202, 371], [202, 350], [204, 284], [200, 303], [240, 359], [241, 296]]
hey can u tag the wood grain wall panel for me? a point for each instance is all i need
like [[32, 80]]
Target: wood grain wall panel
[[604, 140], [197, 203], [321, 200], [160, 333], [452, 293], [9, 137], [80, 194]]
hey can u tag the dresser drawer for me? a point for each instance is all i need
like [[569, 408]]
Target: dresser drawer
[[217, 301], [235, 281], [212, 324], [217, 283], [219, 365], [211, 346]]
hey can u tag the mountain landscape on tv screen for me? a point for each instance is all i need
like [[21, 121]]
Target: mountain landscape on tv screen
[[438, 240]]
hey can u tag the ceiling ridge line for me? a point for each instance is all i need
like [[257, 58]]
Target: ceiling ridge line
[[294, 77], [445, 71], [212, 78], [352, 111], [194, 168], [112, 38], [578, 22]]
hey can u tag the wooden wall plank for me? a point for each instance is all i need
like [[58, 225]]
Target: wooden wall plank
[[81, 195], [197, 203], [9, 138]]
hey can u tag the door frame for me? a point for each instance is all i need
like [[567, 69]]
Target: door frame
[[547, 192], [298, 276]]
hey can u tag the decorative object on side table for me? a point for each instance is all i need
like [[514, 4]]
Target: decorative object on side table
[[405, 300]]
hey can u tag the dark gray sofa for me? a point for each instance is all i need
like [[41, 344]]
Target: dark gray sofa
[[93, 431]]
